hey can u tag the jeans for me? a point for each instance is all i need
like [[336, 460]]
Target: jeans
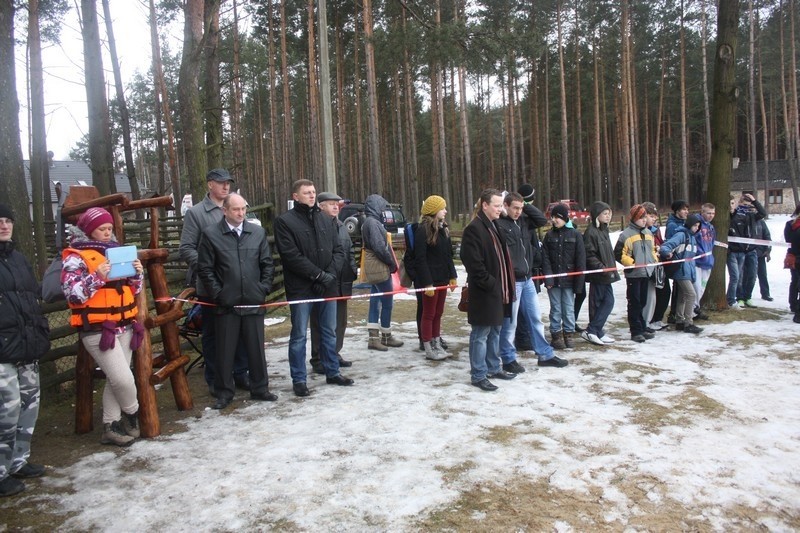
[[484, 348], [326, 315], [562, 309], [380, 307], [528, 301], [742, 267], [601, 303]]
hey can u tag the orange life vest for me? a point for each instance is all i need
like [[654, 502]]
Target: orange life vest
[[114, 301]]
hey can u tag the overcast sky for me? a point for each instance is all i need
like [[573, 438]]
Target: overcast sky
[[65, 94]]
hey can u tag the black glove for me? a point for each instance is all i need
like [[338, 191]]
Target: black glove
[[318, 288], [326, 279]]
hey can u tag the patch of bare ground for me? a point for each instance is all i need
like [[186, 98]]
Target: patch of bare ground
[[633, 503]]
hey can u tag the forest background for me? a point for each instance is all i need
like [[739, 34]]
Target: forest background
[[597, 99]]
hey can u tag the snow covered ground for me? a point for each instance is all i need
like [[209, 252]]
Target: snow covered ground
[[705, 428]]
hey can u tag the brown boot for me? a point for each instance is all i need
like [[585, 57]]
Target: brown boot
[[374, 342], [568, 340], [557, 341], [388, 340]]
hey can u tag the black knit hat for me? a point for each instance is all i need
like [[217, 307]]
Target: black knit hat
[[6, 212], [560, 211], [526, 191]]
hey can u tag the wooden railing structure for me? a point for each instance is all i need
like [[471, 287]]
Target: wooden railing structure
[[171, 363]]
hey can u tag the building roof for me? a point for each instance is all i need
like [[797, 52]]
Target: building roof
[[68, 173], [779, 174]]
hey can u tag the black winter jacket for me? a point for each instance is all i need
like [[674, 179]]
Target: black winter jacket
[[349, 271], [486, 306], [599, 251], [306, 239], [564, 252], [235, 271], [519, 245], [433, 265], [744, 225], [24, 332]]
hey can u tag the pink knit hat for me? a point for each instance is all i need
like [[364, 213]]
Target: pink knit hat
[[93, 218]]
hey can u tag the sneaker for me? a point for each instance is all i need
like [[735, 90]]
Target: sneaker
[[114, 434], [607, 339], [658, 325], [767, 298], [735, 306], [638, 338], [513, 367], [554, 361], [130, 424], [749, 303], [691, 328], [740, 302], [10, 486], [29, 470], [443, 343], [591, 337], [647, 335]]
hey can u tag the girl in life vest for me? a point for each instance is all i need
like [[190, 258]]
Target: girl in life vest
[[104, 313]]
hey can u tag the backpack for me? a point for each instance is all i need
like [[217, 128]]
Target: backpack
[[406, 274], [51, 282]]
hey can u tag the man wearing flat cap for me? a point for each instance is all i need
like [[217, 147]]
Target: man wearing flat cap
[[198, 217], [329, 203]]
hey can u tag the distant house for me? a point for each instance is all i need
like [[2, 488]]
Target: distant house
[[781, 199], [69, 173]]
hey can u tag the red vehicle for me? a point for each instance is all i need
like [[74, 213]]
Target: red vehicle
[[576, 213]]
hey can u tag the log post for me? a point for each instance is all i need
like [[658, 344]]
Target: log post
[[84, 376]]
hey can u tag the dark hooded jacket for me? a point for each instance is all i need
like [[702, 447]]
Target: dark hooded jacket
[[743, 224], [599, 251], [564, 252], [373, 232], [24, 332]]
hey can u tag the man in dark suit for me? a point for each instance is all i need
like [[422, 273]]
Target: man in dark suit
[[234, 263]]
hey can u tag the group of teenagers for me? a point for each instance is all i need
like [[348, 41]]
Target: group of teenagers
[[230, 264]]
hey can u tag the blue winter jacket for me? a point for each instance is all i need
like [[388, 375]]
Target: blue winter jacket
[[705, 238], [682, 246]]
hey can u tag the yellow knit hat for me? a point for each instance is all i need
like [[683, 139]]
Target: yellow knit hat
[[433, 204]]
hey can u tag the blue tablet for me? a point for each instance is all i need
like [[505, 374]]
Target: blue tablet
[[121, 259]]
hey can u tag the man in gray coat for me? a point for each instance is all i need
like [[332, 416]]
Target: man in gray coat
[[198, 217], [234, 264]]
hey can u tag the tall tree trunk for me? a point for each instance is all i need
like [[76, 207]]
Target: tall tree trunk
[[273, 107], [723, 130], [706, 100], [625, 154], [288, 153], [597, 175], [372, 108], [162, 104], [411, 128], [751, 91], [565, 176], [41, 203], [793, 79], [466, 150], [788, 112], [313, 97], [237, 135], [657, 175], [342, 113], [124, 116], [684, 125], [326, 115], [100, 148], [579, 172], [12, 174], [211, 96], [765, 130], [359, 103], [191, 108]]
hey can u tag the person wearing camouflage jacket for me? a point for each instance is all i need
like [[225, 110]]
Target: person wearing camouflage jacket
[[24, 339]]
